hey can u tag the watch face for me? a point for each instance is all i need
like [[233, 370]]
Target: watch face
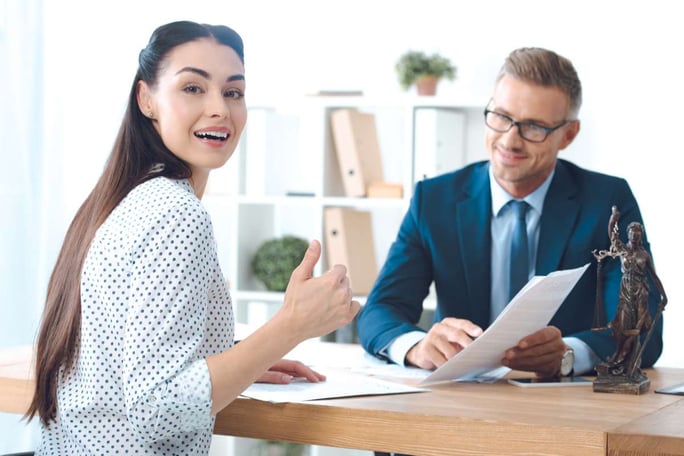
[[567, 362]]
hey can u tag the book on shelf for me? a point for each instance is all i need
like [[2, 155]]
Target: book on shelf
[[349, 241], [355, 138]]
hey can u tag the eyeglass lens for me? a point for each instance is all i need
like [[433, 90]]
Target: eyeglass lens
[[502, 124]]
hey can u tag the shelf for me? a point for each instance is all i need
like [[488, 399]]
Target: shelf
[[288, 148], [313, 201], [290, 105]]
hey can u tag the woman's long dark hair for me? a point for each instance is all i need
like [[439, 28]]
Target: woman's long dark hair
[[137, 150]]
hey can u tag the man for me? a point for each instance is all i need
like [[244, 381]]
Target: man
[[457, 234]]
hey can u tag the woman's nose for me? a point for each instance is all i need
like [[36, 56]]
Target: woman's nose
[[218, 106]]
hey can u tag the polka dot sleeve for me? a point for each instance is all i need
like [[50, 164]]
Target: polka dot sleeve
[[167, 389]]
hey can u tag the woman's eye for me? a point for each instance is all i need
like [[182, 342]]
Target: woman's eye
[[192, 89], [233, 93]]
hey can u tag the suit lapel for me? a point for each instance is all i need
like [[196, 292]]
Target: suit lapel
[[559, 215], [473, 215]]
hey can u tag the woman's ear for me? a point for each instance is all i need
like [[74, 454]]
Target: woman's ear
[[144, 97]]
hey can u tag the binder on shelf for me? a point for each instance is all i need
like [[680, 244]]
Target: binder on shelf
[[355, 138], [439, 144], [385, 190], [349, 241]]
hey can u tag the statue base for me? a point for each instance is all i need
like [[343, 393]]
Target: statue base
[[614, 379]]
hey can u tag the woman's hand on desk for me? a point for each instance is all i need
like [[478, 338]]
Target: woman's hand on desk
[[444, 340], [285, 371]]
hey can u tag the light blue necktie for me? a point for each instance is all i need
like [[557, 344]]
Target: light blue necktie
[[519, 268]]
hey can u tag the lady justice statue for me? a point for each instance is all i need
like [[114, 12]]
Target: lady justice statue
[[622, 372]]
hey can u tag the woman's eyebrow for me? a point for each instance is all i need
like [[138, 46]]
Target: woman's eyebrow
[[198, 71], [206, 75]]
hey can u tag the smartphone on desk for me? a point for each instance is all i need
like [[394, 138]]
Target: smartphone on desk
[[562, 381]]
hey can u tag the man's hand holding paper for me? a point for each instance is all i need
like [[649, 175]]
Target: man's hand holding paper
[[515, 339], [540, 352], [444, 340]]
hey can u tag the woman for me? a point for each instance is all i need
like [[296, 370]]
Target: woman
[[135, 351]]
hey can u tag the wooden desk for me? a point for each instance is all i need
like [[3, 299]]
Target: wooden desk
[[460, 418], [16, 379]]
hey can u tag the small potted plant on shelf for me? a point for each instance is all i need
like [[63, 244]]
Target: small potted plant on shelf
[[424, 71], [275, 259]]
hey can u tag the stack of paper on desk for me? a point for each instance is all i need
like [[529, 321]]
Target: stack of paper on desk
[[530, 310], [339, 383]]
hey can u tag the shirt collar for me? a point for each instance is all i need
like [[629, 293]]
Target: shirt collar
[[501, 197]]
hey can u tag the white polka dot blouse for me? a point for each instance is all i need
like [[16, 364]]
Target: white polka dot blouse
[[154, 306]]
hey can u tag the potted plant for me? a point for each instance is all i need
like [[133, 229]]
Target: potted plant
[[275, 259], [274, 448], [424, 71]]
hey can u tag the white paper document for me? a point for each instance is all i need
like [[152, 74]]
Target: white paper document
[[338, 383], [529, 310]]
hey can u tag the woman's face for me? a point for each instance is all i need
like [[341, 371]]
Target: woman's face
[[198, 104]]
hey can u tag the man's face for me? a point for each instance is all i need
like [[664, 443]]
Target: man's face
[[520, 166]]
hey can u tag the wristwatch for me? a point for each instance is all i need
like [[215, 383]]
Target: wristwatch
[[567, 362]]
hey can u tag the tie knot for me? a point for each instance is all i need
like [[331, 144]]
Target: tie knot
[[519, 208]]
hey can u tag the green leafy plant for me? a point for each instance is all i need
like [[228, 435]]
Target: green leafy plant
[[275, 259], [274, 448], [414, 64]]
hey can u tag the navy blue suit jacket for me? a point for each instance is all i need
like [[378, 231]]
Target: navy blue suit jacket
[[445, 238]]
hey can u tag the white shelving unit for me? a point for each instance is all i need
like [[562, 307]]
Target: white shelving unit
[[285, 173]]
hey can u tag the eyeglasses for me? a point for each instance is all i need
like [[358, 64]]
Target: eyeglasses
[[529, 131]]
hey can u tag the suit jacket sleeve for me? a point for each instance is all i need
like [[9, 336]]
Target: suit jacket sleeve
[[395, 303]]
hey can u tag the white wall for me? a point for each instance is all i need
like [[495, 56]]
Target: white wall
[[627, 53]]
